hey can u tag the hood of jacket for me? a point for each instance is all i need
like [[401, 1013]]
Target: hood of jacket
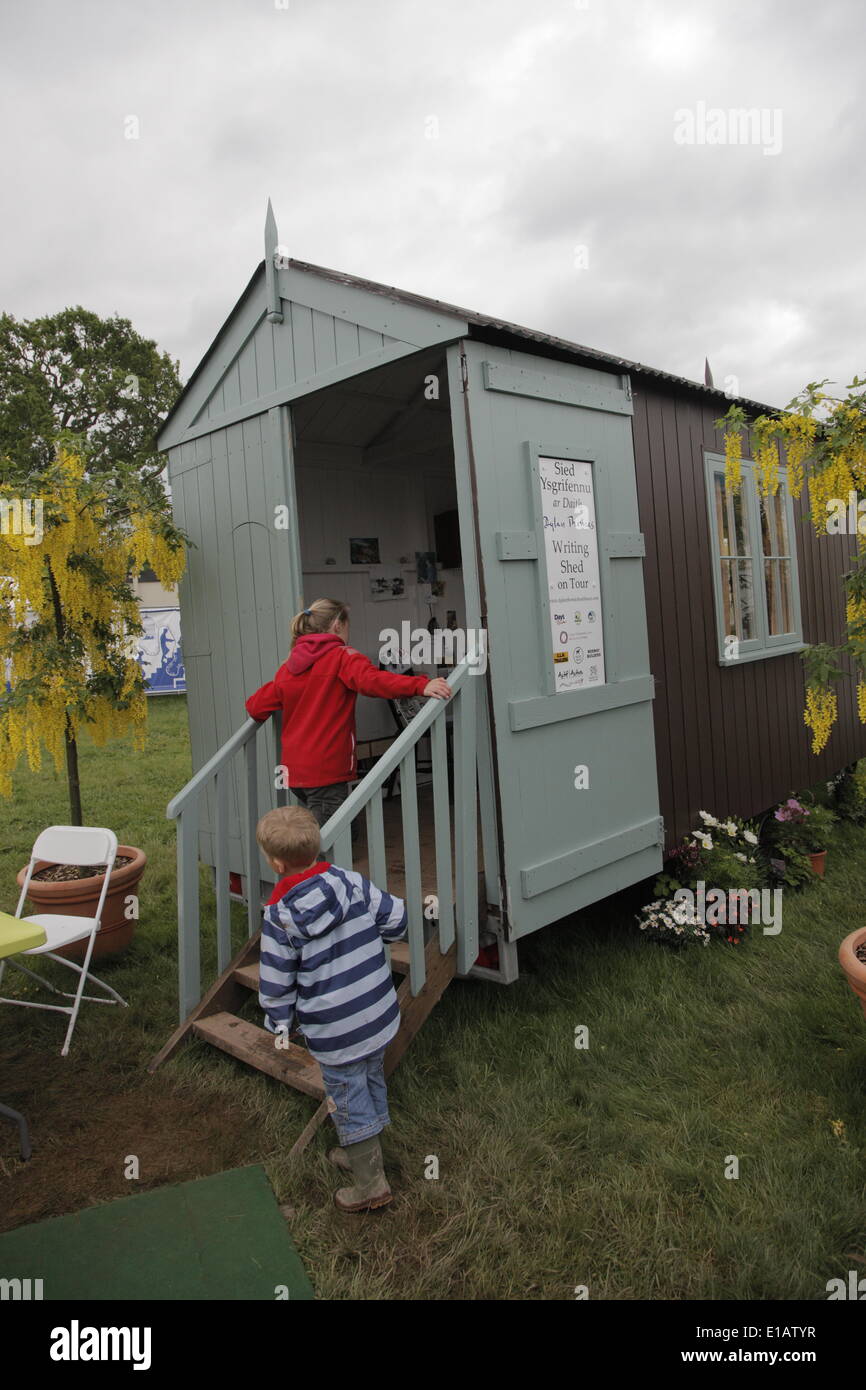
[[307, 650]]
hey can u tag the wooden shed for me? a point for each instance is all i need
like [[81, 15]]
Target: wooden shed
[[338, 428]]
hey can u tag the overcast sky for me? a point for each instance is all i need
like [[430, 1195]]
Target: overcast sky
[[525, 160]]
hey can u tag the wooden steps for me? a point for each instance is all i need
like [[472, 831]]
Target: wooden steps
[[248, 975], [258, 1048], [216, 1021]]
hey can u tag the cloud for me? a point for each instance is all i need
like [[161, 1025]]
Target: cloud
[[460, 151]]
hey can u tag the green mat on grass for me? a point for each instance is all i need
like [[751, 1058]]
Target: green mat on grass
[[215, 1238]]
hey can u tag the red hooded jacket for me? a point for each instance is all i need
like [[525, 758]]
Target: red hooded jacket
[[316, 690]]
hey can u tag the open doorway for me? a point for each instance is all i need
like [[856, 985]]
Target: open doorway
[[377, 506]]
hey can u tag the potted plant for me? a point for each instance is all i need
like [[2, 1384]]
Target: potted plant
[[817, 830], [804, 830], [74, 890], [69, 616], [852, 958]]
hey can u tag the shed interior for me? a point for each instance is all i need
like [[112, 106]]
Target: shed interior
[[374, 462]]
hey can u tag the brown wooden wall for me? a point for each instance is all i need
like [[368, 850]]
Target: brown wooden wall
[[731, 741]]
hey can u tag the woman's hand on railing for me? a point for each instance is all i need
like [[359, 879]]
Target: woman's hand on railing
[[438, 689]]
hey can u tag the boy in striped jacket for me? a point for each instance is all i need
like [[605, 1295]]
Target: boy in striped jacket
[[323, 965]]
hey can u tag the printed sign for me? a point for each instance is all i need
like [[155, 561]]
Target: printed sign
[[159, 653], [573, 587]]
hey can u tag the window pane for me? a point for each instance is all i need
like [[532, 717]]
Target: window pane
[[774, 524], [780, 601], [730, 519], [738, 603]]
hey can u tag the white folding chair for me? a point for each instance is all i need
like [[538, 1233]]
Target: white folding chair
[[67, 844]]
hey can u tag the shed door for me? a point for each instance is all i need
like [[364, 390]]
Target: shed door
[[547, 448]]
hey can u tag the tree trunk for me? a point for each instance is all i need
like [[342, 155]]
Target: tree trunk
[[75, 817]]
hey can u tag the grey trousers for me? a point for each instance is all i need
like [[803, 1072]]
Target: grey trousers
[[324, 801]]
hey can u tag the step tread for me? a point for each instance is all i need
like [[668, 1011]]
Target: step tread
[[256, 1046], [248, 975]]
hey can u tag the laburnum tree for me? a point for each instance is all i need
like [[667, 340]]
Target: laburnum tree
[[68, 614], [81, 400], [824, 438]]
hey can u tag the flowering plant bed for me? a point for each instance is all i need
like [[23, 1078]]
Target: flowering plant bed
[[722, 856]]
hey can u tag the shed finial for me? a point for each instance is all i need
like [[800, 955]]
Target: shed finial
[[708, 375], [274, 253]]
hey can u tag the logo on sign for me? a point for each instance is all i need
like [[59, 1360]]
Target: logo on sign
[[560, 656]]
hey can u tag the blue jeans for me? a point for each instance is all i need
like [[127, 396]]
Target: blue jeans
[[357, 1097]]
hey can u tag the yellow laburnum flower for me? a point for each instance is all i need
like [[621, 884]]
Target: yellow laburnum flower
[[820, 715], [733, 449], [798, 432], [33, 579]]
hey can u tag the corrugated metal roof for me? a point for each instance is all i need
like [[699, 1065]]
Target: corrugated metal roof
[[483, 322], [530, 334]]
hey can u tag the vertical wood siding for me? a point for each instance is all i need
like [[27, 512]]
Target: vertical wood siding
[[307, 343], [732, 740]]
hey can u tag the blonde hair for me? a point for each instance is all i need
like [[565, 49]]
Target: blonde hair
[[321, 613], [290, 834]]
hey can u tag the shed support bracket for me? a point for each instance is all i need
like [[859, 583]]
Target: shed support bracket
[[552, 874], [625, 545], [516, 545]]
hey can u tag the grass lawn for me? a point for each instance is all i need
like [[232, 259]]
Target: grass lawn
[[557, 1167]]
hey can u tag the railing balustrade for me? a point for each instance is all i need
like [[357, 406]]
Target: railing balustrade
[[456, 884]]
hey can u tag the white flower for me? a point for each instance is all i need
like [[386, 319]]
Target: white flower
[[731, 827], [742, 858], [704, 840], [707, 818], [749, 837]]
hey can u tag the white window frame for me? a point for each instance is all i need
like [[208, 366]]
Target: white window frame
[[764, 644]]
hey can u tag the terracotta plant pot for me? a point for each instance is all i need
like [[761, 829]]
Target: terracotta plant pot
[[855, 969], [818, 860], [80, 897]]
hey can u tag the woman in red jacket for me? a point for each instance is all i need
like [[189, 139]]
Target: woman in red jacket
[[316, 690]]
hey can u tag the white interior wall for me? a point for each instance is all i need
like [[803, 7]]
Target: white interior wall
[[339, 496]]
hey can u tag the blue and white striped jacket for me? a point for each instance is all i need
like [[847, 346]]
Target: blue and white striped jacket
[[322, 963]]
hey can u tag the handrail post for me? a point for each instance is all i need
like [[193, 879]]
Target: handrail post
[[412, 869], [188, 945], [221, 871], [466, 829], [252, 844]]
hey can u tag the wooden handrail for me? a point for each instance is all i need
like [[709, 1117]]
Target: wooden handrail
[[367, 796]]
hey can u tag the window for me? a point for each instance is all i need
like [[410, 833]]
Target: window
[[755, 577]]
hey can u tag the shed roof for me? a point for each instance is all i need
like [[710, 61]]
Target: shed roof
[[484, 327], [502, 326]]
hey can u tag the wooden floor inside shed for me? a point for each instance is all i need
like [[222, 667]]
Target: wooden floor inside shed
[[393, 825]]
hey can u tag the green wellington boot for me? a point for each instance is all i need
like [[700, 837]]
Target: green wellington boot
[[371, 1186], [339, 1159]]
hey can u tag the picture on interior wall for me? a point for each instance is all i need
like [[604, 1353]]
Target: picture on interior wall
[[364, 550], [425, 566], [388, 583]]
